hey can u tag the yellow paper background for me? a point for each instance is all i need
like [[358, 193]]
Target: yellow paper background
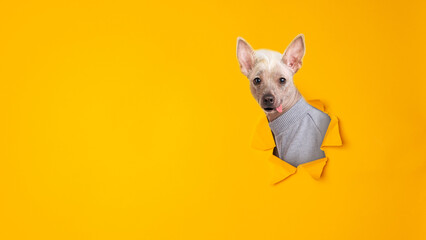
[[131, 120]]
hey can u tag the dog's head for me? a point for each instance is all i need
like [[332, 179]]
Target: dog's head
[[271, 74]]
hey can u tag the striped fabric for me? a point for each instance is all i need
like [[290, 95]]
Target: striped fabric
[[299, 132]]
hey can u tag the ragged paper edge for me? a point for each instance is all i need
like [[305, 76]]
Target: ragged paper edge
[[262, 139], [280, 169]]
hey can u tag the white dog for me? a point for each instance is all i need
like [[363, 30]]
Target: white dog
[[298, 127]]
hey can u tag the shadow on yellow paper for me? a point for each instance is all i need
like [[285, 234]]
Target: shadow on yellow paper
[[263, 140]]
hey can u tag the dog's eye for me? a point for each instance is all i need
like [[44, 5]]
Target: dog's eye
[[282, 80], [256, 81]]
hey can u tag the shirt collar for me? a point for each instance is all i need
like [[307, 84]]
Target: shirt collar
[[263, 140], [291, 116]]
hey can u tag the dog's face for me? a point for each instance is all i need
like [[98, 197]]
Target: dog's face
[[271, 74]]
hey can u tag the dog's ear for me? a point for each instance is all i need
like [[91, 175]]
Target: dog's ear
[[245, 56], [294, 53]]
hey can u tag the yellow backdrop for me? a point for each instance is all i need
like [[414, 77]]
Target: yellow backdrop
[[131, 120]]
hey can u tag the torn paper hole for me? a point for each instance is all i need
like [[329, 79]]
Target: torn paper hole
[[263, 139]]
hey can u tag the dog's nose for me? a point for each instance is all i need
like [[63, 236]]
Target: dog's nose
[[268, 100]]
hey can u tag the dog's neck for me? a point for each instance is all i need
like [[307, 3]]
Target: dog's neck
[[286, 106]]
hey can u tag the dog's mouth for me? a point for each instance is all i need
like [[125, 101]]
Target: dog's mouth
[[270, 109]]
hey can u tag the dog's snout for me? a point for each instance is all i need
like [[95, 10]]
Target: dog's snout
[[268, 100]]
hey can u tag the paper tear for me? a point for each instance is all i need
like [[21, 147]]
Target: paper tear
[[263, 140]]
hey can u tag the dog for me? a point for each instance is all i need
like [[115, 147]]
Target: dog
[[297, 127]]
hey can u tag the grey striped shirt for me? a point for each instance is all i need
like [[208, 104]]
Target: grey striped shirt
[[299, 133]]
